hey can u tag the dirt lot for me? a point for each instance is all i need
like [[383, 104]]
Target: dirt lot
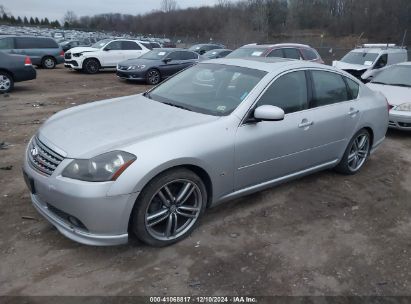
[[322, 235]]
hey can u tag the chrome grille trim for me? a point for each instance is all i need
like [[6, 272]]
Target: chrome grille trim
[[42, 158]]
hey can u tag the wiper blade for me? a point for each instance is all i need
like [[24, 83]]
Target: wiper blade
[[177, 106], [377, 82], [400, 85], [147, 94]]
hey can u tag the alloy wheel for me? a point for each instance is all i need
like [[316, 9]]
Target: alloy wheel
[[359, 151], [153, 77], [5, 83], [49, 63], [173, 210]]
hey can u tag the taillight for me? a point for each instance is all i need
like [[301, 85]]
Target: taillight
[[27, 61], [62, 53]]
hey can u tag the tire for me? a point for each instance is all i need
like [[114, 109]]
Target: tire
[[91, 66], [153, 77], [356, 154], [48, 63], [6, 82], [174, 213]]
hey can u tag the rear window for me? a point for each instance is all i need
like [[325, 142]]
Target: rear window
[[309, 54], [35, 43]]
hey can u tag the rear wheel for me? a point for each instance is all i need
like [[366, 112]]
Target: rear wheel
[[48, 63], [6, 82], [153, 77], [91, 66], [356, 153], [169, 208]]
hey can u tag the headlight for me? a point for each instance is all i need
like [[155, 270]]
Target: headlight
[[77, 54], [404, 107], [136, 67], [102, 168]]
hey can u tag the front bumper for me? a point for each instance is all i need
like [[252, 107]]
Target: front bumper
[[131, 75], [400, 120], [73, 63], [81, 211]]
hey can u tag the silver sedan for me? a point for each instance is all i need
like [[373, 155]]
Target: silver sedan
[[151, 164], [395, 83]]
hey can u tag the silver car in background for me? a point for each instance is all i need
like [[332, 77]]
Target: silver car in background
[[150, 164], [394, 83]]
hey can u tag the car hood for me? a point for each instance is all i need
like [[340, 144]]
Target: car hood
[[348, 66], [141, 61], [395, 95], [88, 130], [82, 49]]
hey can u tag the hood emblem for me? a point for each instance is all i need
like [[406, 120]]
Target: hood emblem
[[34, 151]]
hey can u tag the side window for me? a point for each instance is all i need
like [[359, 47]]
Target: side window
[[130, 45], [309, 54], [289, 92], [6, 44], [44, 43], [188, 56], [292, 53], [175, 55], [276, 53], [25, 43], [114, 45], [147, 45], [329, 88], [353, 87], [381, 62]]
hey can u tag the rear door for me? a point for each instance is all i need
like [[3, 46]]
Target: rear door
[[292, 53], [131, 49]]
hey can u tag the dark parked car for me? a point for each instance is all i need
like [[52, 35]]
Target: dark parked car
[[156, 65], [217, 53], [281, 50], [14, 68], [203, 48], [43, 51], [69, 44]]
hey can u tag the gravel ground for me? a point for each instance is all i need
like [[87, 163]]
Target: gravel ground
[[325, 234]]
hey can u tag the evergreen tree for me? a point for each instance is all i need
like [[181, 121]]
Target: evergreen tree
[[36, 21], [32, 21], [19, 21], [25, 21]]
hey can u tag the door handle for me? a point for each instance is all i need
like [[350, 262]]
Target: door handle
[[353, 112], [305, 124]]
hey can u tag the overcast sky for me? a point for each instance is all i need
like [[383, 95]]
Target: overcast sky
[[55, 9]]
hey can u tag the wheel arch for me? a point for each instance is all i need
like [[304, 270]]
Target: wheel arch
[[8, 72], [92, 57]]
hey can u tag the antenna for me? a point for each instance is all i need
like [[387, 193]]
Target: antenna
[[403, 38]]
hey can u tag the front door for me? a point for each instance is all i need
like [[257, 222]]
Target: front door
[[112, 54]]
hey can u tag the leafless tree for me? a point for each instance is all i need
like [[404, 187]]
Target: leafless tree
[[70, 18], [168, 5]]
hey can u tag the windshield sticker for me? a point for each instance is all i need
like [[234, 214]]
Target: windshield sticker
[[161, 53], [368, 63], [221, 108], [256, 53], [244, 96]]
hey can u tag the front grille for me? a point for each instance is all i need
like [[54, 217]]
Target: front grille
[[42, 158], [67, 56]]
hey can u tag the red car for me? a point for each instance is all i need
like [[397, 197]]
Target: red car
[[282, 50]]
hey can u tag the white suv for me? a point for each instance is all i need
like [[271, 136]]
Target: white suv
[[104, 54]]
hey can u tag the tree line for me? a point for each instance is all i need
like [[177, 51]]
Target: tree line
[[9, 19], [256, 20]]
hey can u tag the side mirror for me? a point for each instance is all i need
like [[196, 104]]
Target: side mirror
[[202, 52], [167, 60], [268, 113]]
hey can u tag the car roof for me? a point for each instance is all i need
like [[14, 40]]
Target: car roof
[[269, 64], [379, 50], [279, 45], [407, 63]]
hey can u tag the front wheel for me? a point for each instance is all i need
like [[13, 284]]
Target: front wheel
[[356, 154], [6, 82], [153, 77], [91, 66], [169, 208]]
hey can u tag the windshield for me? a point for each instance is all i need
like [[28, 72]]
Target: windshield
[[247, 52], [153, 55], [213, 89], [101, 43], [399, 75], [361, 58]]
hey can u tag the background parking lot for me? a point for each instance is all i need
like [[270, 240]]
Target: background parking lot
[[323, 234]]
